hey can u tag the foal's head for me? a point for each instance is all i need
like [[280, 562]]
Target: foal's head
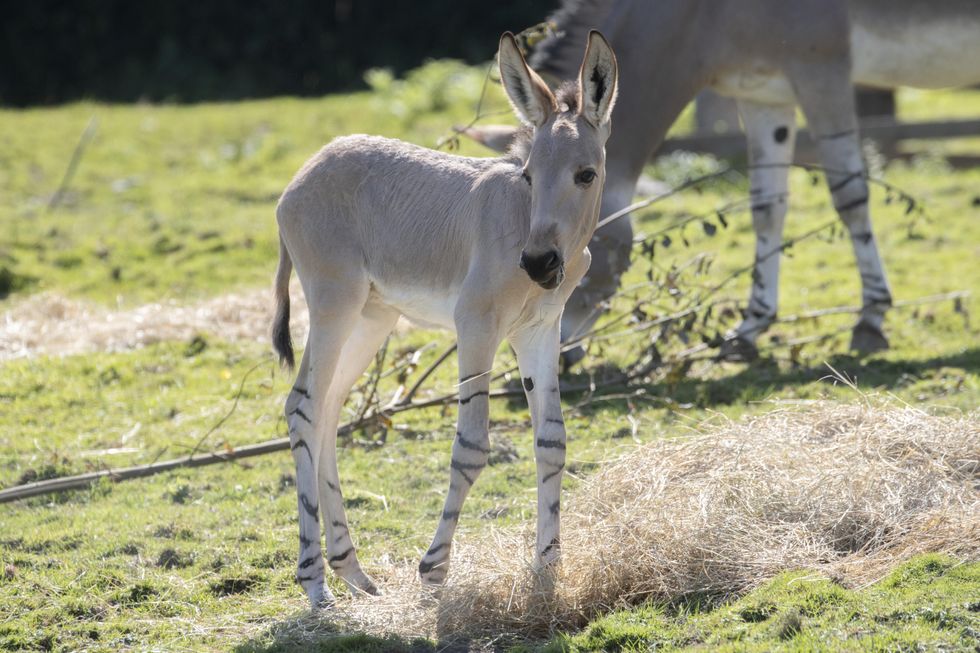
[[566, 166]]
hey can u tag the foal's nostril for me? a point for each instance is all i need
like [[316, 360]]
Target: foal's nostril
[[541, 267], [551, 261]]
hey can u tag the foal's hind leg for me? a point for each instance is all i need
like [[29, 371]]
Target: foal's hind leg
[[827, 98], [771, 133], [333, 313], [366, 337]]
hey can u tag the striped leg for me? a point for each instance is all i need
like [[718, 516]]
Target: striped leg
[[471, 448], [366, 337], [306, 417], [537, 356], [302, 440], [771, 134], [833, 121]]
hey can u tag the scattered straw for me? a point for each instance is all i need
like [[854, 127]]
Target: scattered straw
[[845, 490], [51, 324]]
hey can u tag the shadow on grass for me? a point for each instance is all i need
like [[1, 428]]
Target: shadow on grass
[[765, 377], [309, 634]]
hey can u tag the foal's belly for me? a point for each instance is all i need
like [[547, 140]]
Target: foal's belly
[[430, 308]]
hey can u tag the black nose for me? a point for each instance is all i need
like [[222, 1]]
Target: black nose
[[541, 267]]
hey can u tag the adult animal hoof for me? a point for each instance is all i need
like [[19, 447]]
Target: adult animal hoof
[[867, 339], [738, 349]]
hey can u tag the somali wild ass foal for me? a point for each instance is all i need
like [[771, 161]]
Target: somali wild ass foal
[[771, 56], [491, 248]]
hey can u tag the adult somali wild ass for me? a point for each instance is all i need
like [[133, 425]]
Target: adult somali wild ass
[[491, 248], [771, 55]]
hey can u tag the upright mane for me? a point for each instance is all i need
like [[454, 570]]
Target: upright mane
[[560, 55], [567, 96]]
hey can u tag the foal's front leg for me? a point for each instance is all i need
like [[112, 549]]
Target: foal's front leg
[[537, 356], [471, 448]]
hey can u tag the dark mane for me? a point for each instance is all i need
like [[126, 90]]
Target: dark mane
[[561, 55]]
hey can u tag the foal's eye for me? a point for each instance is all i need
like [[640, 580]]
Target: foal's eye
[[526, 177], [585, 177]]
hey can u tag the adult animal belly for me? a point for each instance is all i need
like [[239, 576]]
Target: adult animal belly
[[925, 55]]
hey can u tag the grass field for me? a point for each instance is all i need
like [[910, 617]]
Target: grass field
[[176, 203]]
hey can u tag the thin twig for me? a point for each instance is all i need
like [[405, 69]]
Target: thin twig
[[76, 156]]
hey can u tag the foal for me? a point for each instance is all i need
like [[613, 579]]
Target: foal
[[490, 248]]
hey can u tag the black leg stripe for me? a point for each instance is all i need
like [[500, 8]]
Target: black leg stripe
[[448, 515], [331, 485], [845, 181], [306, 579], [426, 567], [549, 444], [852, 205], [436, 548], [550, 475], [553, 508], [301, 391], [339, 524], [459, 471], [309, 507], [308, 562], [304, 542], [303, 415], [467, 444], [339, 557], [302, 443], [552, 420], [480, 393]]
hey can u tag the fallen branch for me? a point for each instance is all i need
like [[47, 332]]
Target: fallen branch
[[76, 156]]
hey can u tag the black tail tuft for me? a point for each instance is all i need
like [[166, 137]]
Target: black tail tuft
[[282, 341]]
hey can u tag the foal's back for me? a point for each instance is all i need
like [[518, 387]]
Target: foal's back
[[405, 211]]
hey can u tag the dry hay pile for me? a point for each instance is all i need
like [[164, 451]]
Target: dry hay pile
[[842, 489], [50, 324]]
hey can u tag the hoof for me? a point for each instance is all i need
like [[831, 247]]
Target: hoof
[[571, 357], [738, 349], [433, 574], [867, 339], [362, 584], [322, 600]]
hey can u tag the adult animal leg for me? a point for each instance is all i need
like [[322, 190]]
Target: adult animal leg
[[333, 313], [366, 337], [537, 357], [478, 340], [771, 133], [827, 98], [610, 248]]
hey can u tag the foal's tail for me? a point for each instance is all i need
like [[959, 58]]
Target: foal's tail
[[282, 342]]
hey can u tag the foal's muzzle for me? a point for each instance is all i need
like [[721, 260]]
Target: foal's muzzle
[[547, 269]]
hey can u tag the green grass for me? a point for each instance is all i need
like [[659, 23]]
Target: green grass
[[178, 203], [929, 603]]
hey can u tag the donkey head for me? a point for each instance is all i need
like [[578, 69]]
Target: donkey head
[[566, 166]]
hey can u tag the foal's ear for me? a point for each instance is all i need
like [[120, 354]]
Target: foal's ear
[[528, 94], [598, 81]]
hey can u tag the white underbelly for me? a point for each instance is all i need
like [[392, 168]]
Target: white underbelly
[[424, 307], [761, 83], [926, 56]]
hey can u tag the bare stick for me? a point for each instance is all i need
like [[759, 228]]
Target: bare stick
[[87, 135], [407, 399]]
